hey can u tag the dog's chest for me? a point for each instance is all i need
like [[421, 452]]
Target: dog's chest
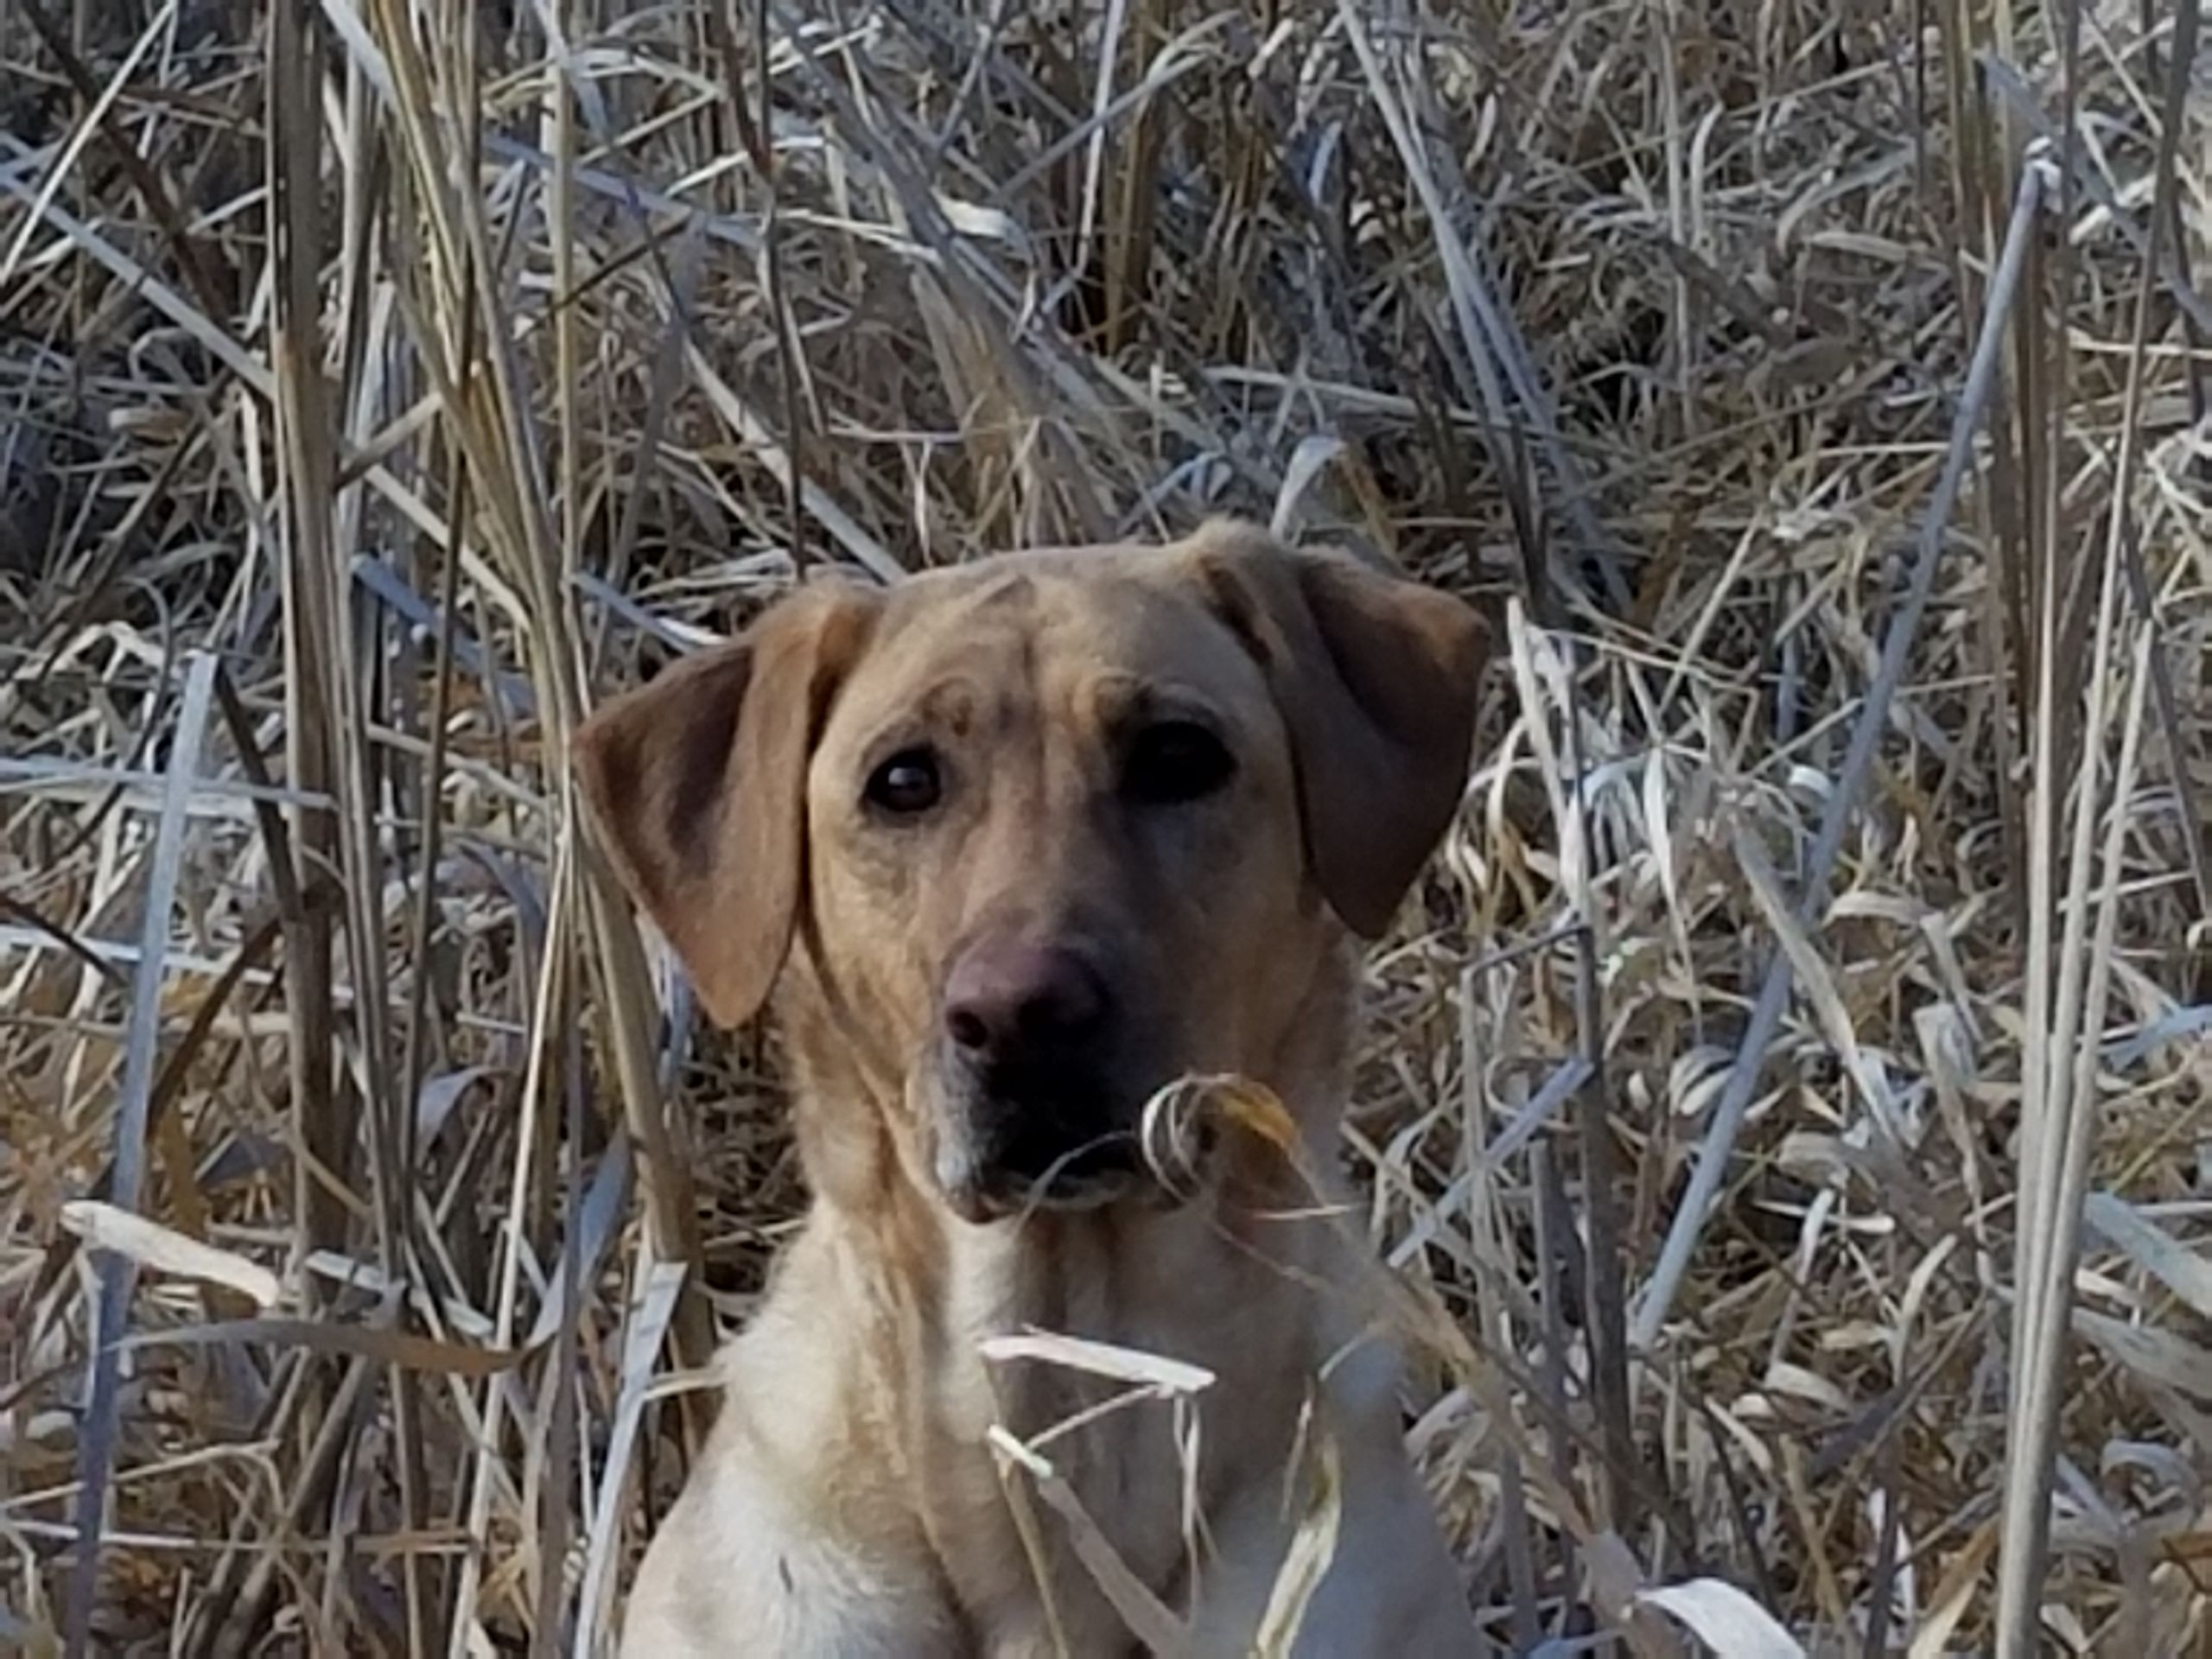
[[1077, 1437]]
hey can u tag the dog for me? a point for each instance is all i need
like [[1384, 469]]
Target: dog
[[1008, 848]]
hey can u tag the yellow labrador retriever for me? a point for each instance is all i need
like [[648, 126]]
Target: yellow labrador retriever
[[1011, 847]]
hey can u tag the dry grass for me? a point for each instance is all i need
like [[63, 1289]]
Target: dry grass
[[379, 383]]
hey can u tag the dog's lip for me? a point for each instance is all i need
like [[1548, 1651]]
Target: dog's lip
[[980, 1203], [1087, 1178]]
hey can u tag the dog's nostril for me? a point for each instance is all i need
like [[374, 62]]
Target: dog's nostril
[[1004, 995]]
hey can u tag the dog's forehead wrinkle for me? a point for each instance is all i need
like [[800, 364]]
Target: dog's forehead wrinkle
[[955, 700], [1146, 651], [1073, 613]]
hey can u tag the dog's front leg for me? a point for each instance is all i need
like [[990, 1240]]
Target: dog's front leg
[[734, 1572]]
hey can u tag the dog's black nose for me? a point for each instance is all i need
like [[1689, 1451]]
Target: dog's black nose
[[1006, 998]]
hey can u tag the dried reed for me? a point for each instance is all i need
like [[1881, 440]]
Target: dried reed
[[1783, 1108]]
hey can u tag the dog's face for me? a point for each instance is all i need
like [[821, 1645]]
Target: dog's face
[[1052, 819], [1051, 829]]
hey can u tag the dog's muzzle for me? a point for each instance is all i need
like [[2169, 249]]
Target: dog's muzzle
[[1029, 1110]]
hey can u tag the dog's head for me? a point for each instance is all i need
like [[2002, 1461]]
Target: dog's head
[[1052, 829]]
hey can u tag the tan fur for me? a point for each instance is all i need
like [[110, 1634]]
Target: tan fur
[[848, 1502]]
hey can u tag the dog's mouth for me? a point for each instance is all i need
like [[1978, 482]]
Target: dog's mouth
[[1009, 1140], [979, 1186]]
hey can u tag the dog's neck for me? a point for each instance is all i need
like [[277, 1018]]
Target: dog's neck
[[1246, 1281]]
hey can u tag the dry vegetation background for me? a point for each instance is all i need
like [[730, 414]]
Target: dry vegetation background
[[1821, 953]]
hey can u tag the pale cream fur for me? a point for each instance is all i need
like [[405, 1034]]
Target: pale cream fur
[[848, 1501]]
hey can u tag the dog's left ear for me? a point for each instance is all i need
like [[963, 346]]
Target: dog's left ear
[[1376, 678]]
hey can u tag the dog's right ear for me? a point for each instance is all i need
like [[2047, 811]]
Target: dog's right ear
[[697, 782]]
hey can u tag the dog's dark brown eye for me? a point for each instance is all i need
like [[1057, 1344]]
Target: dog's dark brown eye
[[1175, 761], [907, 782]]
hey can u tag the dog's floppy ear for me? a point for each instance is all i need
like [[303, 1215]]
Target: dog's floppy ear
[[1376, 677], [697, 784]]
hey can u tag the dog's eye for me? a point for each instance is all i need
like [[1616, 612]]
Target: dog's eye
[[1175, 761], [907, 782]]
